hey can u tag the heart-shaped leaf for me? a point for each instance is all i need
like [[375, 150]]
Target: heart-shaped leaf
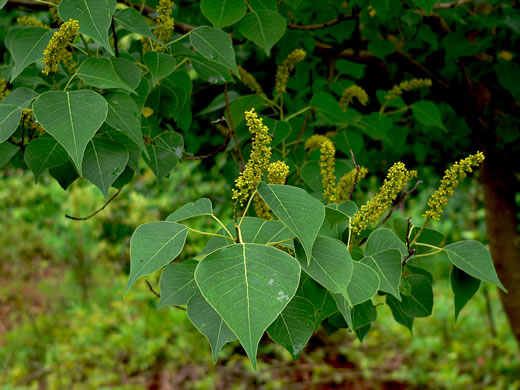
[[383, 239], [104, 161], [100, 73], [154, 245], [178, 283], [300, 212], [294, 326], [463, 287], [264, 28], [94, 17], [215, 45], [210, 324], [419, 303], [388, 266], [249, 285], [363, 284], [72, 118], [133, 21], [193, 209], [223, 13], [160, 65], [7, 152], [11, 108], [43, 153]]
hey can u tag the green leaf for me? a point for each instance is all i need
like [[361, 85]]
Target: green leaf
[[26, 45], [363, 284], [263, 27], [328, 109], [336, 213], [104, 161], [241, 105], [215, 45], [280, 130], [193, 209], [388, 266], [7, 152], [473, 258], [381, 240], [257, 5], [210, 324], [124, 115], [178, 283], [428, 114], [43, 153], [11, 108], [345, 308], [128, 71], [330, 265], [508, 72], [72, 118], [132, 20], [321, 298], [3, 3], [249, 285], [160, 65], [164, 155], [299, 211], [134, 151], [100, 73], [420, 301], [426, 5], [94, 17], [223, 13], [154, 245], [363, 314], [398, 313], [64, 174], [294, 326], [464, 287]]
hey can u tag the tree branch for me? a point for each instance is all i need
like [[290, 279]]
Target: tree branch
[[221, 147], [319, 26], [95, 212], [358, 169], [302, 129]]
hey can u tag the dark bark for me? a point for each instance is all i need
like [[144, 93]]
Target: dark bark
[[500, 187]]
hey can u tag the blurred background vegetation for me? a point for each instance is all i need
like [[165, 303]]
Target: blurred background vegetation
[[65, 325]]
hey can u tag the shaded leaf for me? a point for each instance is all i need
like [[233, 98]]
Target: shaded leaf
[[398, 313], [388, 266], [263, 27], [215, 45], [43, 153], [420, 301], [321, 298], [464, 287], [7, 152], [178, 283], [11, 108], [428, 114], [223, 13]]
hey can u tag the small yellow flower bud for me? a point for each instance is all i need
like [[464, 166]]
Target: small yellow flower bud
[[3, 89], [277, 173], [286, 67], [166, 24], [450, 181], [327, 163], [398, 176], [56, 49], [347, 182], [249, 80], [350, 93], [258, 159]]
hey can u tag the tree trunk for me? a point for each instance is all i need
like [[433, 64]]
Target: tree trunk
[[500, 187]]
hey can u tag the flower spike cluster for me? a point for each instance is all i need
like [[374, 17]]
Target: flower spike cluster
[[4, 91], [327, 163], [258, 159], [349, 93], [56, 49], [347, 182], [166, 24], [286, 67], [277, 173], [404, 86], [398, 176], [31, 21], [450, 182], [249, 80]]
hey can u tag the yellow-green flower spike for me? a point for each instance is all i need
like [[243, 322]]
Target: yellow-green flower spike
[[166, 24], [397, 90], [56, 49], [346, 183], [327, 164], [249, 80], [258, 159], [277, 173], [31, 21], [398, 176], [450, 181], [349, 93], [285, 69], [3, 89]]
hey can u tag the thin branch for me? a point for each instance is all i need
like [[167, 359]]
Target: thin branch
[[411, 251], [114, 34], [319, 26], [152, 290], [221, 147], [302, 129], [97, 211], [241, 157], [358, 169]]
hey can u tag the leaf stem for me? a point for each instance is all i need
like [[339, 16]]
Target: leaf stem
[[430, 253], [221, 224], [68, 82], [210, 234], [297, 113], [247, 208], [178, 39], [180, 63], [278, 242]]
